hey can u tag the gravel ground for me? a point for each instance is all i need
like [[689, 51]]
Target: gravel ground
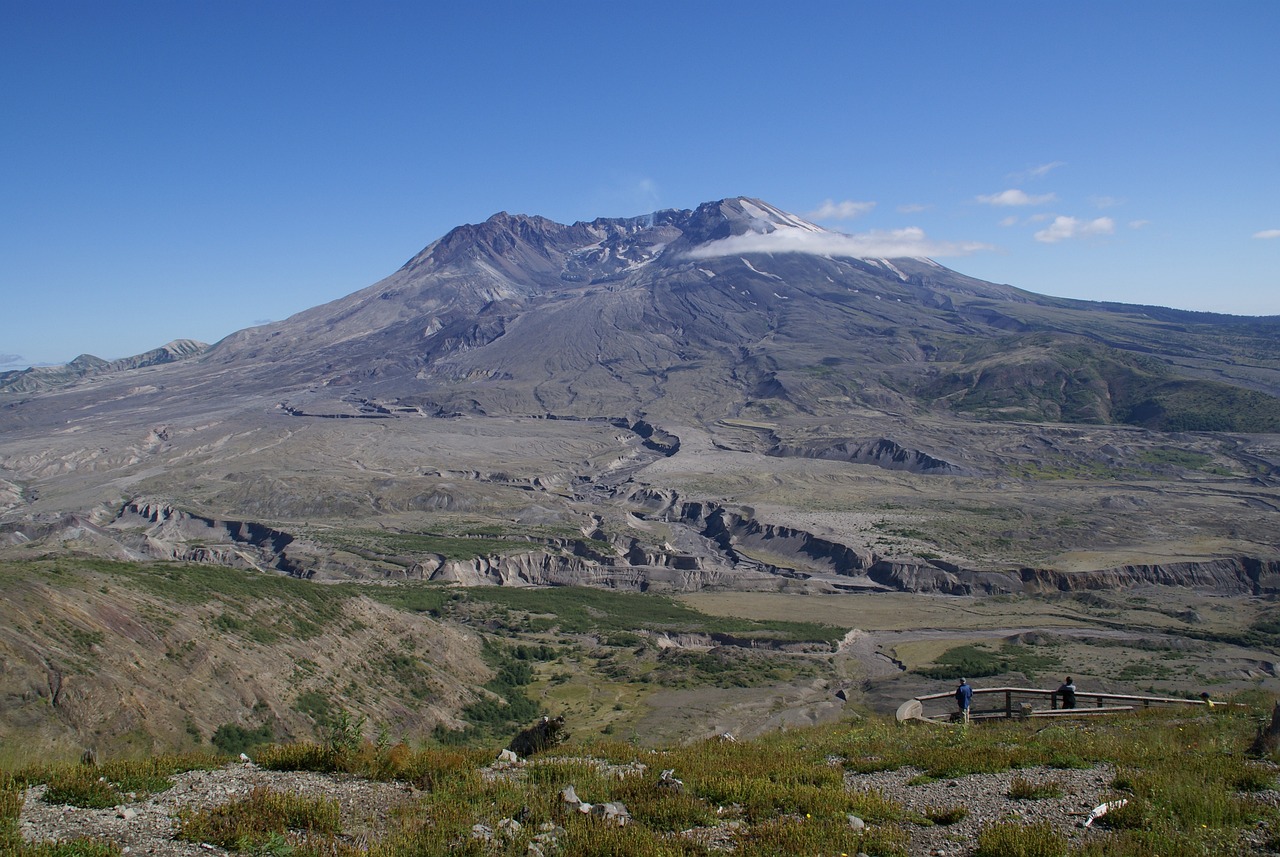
[[147, 827], [986, 796]]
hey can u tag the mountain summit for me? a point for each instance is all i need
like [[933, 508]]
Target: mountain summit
[[738, 307]]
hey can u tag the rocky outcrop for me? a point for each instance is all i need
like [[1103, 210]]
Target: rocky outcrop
[[158, 530], [543, 568], [730, 529], [1238, 575], [881, 452], [710, 555]]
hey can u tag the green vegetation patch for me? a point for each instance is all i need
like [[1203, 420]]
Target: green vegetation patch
[[430, 598], [1020, 788], [251, 601], [1203, 406], [977, 661], [234, 739], [1174, 457], [720, 667], [578, 610], [505, 709], [261, 818], [116, 781]]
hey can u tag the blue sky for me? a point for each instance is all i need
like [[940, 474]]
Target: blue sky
[[187, 169]]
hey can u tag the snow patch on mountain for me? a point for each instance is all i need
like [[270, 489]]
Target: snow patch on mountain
[[895, 244], [758, 271]]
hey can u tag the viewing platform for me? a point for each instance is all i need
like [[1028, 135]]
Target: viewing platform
[[1009, 702]]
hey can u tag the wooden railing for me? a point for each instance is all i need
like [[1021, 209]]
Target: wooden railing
[[1021, 702]]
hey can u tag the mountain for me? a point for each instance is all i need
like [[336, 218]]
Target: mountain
[[86, 366], [571, 384], [737, 307]]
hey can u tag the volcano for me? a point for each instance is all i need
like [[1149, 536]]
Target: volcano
[[733, 352]]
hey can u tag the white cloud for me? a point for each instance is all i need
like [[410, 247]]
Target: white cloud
[[1013, 196], [1267, 233], [1106, 201], [1063, 228], [1036, 172], [913, 208], [1011, 220], [846, 210], [647, 189], [1138, 224], [876, 244]]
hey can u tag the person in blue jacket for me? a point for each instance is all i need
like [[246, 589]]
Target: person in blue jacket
[[964, 695]]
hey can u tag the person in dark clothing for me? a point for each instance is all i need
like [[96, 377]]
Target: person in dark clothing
[[964, 695], [1068, 693]]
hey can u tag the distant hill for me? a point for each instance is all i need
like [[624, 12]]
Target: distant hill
[[87, 366]]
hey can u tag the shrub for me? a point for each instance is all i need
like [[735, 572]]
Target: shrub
[[253, 820], [945, 815], [1007, 839], [1254, 778], [233, 739], [83, 787], [792, 834], [302, 756], [1021, 788], [118, 781]]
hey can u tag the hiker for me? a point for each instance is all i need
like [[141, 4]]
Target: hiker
[[964, 695], [1068, 693], [1204, 697]]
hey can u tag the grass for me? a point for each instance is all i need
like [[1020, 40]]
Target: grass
[[575, 610], [1021, 788], [116, 781], [1012, 839], [1189, 785], [260, 818], [976, 661], [946, 815]]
